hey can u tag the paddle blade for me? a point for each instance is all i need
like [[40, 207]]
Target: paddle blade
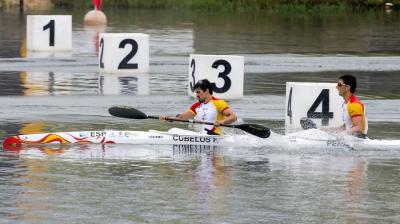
[[255, 129], [307, 123], [127, 112]]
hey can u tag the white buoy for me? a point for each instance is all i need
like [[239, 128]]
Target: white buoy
[[95, 17], [225, 72], [319, 102], [124, 53], [49, 33]]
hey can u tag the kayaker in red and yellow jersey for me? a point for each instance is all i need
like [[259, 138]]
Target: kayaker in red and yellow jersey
[[208, 109], [354, 115]]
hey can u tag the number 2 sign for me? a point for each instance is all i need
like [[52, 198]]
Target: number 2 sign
[[124, 53], [225, 72]]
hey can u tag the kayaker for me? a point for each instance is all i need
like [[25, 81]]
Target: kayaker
[[354, 115], [208, 109]]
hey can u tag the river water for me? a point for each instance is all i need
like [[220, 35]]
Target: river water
[[153, 184]]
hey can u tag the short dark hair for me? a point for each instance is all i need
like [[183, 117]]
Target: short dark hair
[[350, 81], [204, 84]]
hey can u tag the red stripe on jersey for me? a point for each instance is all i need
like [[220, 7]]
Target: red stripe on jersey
[[354, 99], [224, 109], [194, 106]]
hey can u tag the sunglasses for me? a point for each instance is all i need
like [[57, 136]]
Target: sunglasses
[[339, 84]]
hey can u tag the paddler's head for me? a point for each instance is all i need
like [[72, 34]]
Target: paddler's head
[[346, 85], [203, 90]]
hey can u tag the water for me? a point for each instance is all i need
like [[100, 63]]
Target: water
[[142, 184]]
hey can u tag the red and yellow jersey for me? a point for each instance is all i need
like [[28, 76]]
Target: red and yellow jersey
[[210, 112], [354, 108]]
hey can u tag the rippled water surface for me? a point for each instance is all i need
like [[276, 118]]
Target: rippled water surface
[[175, 184]]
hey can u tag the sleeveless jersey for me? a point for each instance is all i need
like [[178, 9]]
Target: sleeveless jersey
[[354, 108], [210, 112]]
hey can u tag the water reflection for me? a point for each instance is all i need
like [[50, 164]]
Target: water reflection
[[176, 32], [47, 54], [371, 85], [124, 84], [58, 83]]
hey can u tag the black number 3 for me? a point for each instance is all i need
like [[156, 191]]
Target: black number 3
[[223, 75], [193, 65]]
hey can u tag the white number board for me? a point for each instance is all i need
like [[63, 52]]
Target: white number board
[[319, 102], [225, 72], [124, 53], [49, 33]]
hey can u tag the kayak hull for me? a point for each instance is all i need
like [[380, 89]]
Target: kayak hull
[[173, 136]]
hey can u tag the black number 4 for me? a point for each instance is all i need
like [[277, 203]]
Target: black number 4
[[325, 114]]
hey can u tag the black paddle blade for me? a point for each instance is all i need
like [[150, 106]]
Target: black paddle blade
[[127, 112], [307, 123], [255, 129]]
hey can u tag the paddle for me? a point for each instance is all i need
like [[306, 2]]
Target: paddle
[[132, 113]]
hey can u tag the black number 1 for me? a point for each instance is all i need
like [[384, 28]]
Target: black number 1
[[50, 26]]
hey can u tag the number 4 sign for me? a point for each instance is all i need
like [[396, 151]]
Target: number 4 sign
[[319, 102], [225, 72]]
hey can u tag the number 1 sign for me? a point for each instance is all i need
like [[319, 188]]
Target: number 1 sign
[[319, 102], [225, 72], [49, 33], [124, 53]]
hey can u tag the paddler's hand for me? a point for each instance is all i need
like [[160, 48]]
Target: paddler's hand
[[162, 118], [218, 123]]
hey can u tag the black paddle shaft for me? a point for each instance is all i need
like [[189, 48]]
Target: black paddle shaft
[[132, 113]]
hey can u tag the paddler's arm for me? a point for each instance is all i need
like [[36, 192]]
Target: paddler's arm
[[184, 116], [356, 125], [230, 117]]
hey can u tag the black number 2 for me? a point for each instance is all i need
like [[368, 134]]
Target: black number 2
[[323, 98], [124, 63], [223, 75], [50, 26], [101, 53]]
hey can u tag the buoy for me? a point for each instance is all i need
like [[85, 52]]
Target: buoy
[[95, 17]]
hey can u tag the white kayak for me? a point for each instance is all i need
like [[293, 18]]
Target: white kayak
[[312, 138], [172, 136]]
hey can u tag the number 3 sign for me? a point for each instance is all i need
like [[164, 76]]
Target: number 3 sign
[[124, 53], [225, 72], [319, 102]]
